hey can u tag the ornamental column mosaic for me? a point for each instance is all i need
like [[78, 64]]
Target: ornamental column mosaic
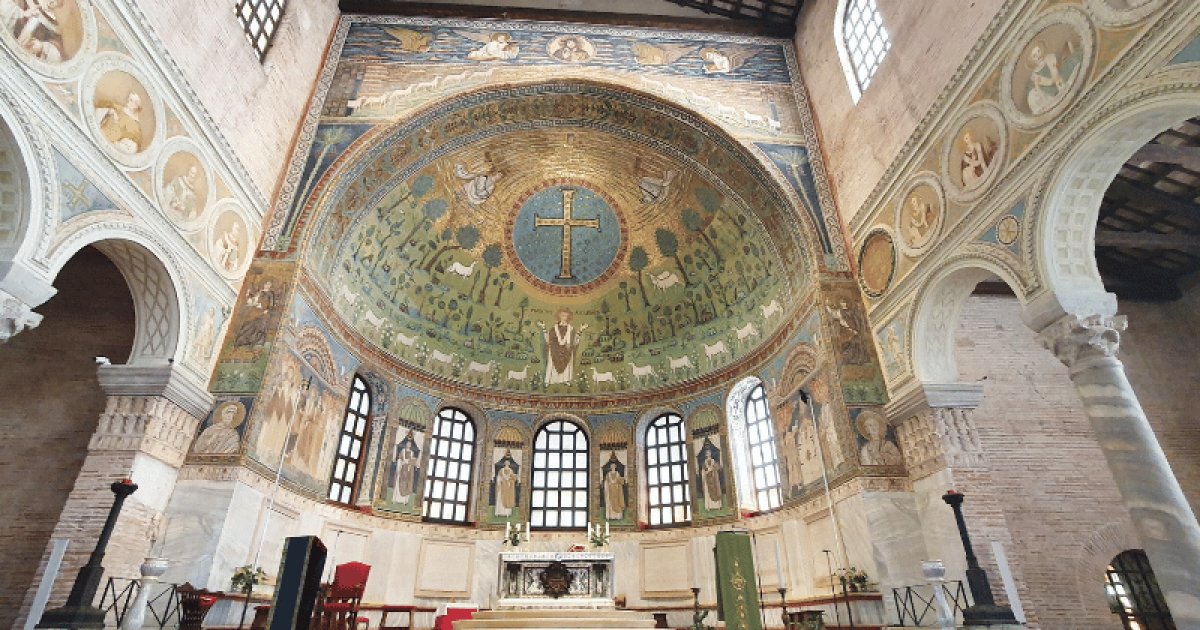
[[1161, 515]]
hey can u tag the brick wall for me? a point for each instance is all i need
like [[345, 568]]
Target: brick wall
[[929, 40], [49, 406], [1164, 371], [258, 106], [1058, 495]]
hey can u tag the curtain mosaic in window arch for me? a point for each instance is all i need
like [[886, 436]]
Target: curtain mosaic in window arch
[[560, 477], [451, 462], [669, 497], [343, 482]]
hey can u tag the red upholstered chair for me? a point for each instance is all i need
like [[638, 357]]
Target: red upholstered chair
[[338, 608]]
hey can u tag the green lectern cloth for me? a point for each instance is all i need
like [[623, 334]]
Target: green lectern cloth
[[737, 590]]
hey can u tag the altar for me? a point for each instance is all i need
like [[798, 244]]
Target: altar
[[546, 579]]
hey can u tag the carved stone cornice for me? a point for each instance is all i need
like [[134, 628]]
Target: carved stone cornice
[[150, 424], [922, 396], [169, 381], [1078, 341]]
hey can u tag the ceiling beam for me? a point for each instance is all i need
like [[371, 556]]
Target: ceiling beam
[[1189, 243], [476, 12], [1139, 283], [1187, 157], [1149, 195]]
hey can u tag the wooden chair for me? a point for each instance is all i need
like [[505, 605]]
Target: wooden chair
[[194, 605], [340, 600]]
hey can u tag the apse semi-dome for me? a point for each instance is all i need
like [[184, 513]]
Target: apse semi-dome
[[556, 240]]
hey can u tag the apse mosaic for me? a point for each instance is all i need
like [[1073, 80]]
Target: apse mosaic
[[498, 245]]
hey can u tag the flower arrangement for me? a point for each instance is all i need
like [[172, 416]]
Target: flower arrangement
[[854, 578], [599, 537], [244, 578]]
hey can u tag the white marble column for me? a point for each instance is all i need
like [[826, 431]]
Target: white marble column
[[1161, 514]]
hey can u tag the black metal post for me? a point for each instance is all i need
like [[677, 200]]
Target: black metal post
[[984, 612], [849, 610], [697, 615], [783, 616], [832, 586], [79, 612]]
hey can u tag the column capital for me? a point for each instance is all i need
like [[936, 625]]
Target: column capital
[[1074, 339], [15, 316], [169, 380]]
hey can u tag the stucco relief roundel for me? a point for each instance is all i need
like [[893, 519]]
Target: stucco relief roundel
[[920, 213], [1046, 72], [54, 37], [229, 240], [877, 262], [123, 116], [1123, 12], [183, 184], [974, 153]]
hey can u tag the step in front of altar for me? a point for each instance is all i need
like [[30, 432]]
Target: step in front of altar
[[556, 619]]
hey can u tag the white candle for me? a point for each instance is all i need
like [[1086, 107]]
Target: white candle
[[589, 530], [606, 529], [507, 530], [526, 531], [779, 564], [696, 555]]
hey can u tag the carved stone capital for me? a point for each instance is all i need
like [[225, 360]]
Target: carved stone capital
[[15, 316], [1075, 340], [940, 437], [151, 424]]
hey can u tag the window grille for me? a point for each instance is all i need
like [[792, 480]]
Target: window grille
[[863, 41], [560, 477], [451, 462], [343, 482], [260, 20], [669, 497], [764, 453]]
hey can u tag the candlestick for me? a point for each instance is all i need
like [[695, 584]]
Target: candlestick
[[779, 564]]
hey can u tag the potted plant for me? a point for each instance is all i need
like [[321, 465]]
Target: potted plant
[[854, 579], [599, 538], [244, 578]]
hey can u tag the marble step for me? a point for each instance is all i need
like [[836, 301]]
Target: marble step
[[556, 619]]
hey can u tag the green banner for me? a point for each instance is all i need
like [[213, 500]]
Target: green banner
[[737, 590]]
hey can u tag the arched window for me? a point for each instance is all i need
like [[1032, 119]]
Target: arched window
[[260, 19], [668, 496], [451, 462], [343, 483], [764, 456], [862, 41], [754, 448], [560, 477], [1133, 593]]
